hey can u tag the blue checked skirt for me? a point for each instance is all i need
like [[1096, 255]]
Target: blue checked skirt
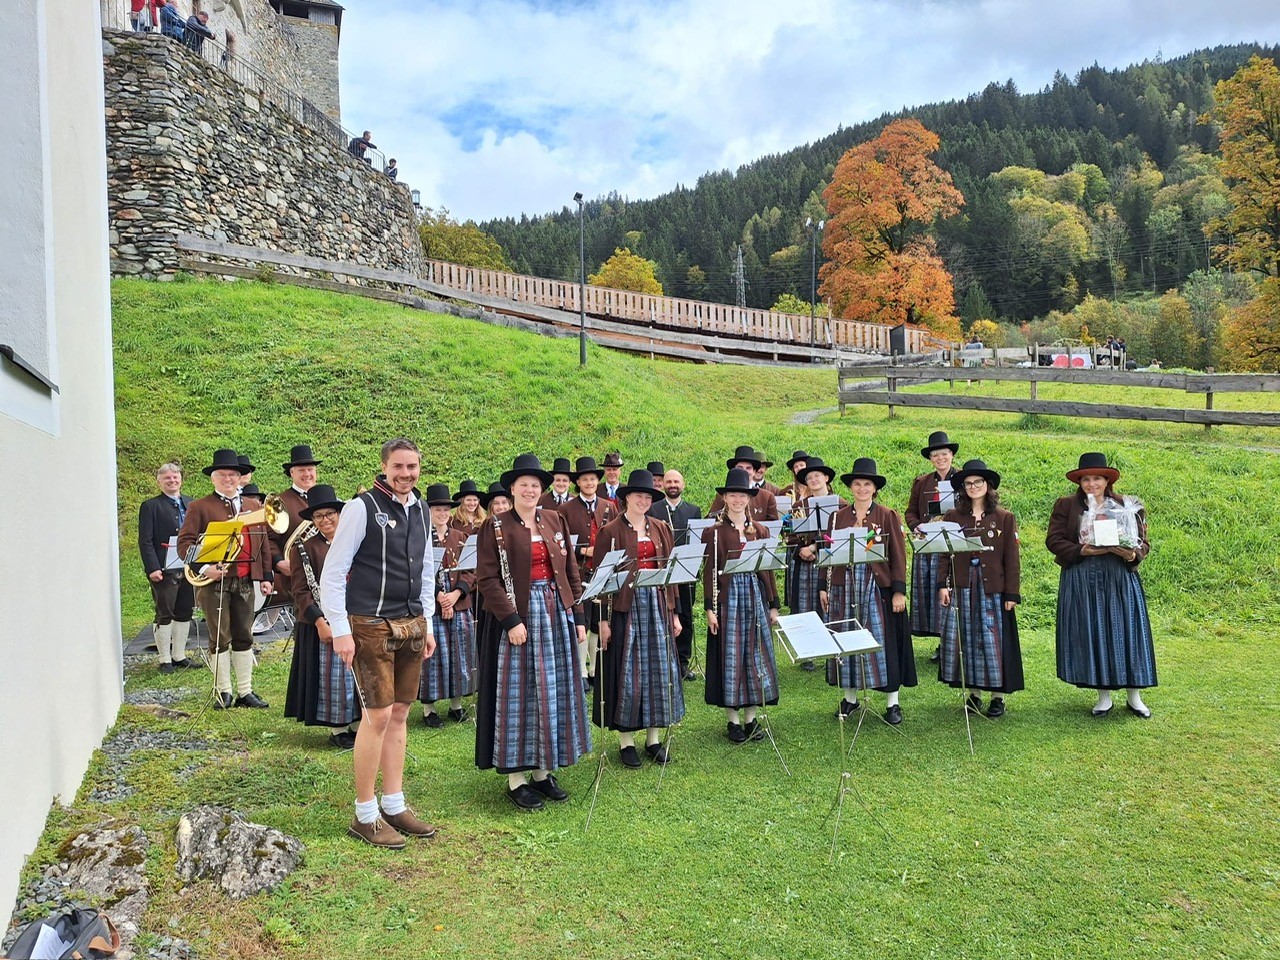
[[1104, 634], [854, 593], [992, 654], [540, 720], [640, 684], [803, 581], [741, 669], [927, 614], [451, 670], [321, 690]]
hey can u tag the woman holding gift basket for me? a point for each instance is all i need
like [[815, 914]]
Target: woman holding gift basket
[[1099, 537]]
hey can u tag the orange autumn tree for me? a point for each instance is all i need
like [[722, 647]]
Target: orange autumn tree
[[881, 260]]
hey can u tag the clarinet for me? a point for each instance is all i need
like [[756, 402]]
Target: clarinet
[[308, 572], [504, 565]]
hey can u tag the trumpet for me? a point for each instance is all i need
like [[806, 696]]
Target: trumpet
[[271, 513]]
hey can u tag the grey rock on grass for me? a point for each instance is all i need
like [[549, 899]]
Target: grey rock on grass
[[242, 858]]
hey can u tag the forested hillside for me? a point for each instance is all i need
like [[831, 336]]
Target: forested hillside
[[1114, 180]]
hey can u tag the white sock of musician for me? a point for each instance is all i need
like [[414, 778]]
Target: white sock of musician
[[242, 661], [540, 775], [592, 649], [516, 780], [455, 703], [1135, 700], [652, 736], [367, 811], [393, 803], [732, 715], [749, 714], [163, 633], [893, 699], [181, 629], [626, 738], [1104, 700], [850, 694], [222, 671]]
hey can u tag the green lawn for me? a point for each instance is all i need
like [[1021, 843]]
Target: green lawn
[[1063, 836]]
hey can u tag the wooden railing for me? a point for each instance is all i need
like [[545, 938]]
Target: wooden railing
[[679, 314]]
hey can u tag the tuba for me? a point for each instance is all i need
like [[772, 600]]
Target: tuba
[[272, 513]]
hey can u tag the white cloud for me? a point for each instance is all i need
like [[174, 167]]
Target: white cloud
[[498, 108]]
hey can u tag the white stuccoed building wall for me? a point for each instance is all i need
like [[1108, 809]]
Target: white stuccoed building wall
[[60, 649]]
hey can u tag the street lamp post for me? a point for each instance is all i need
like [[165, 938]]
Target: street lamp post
[[582, 284], [813, 290]]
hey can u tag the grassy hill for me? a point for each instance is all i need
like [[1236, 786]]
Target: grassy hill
[[1064, 836]]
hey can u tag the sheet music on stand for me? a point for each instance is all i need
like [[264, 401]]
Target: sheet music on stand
[[696, 527], [774, 527], [219, 543], [437, 558], [467, 559], [818, 518], [806, 637], [601, 580], [849, 545], [171, 559], [784, 503], [683, 566], [946, 499], [945, 536], [757, 556]]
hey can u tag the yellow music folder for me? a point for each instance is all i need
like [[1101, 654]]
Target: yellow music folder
[[219, 543]]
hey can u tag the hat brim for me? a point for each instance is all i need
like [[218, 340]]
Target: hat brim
[[848, 478], [827, 472], [992, 478], [927, 452], [749, 491], [734, 461], [1111, 473], [301, 463], [327, 505], [442, 503], [487, 498], [598, 471], [208, 471], [457, 497], [624, 492], [511, 476], [791, 464]]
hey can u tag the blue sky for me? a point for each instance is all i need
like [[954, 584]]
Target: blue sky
[[498, 107]]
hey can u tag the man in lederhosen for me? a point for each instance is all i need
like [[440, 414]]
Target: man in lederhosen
[[227, 601], [380, 616], [586, 514], [676, 512], [159, 520]]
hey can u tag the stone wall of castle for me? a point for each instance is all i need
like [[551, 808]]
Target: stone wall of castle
[[191, 150]]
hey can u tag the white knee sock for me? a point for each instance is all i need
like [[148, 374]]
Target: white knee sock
[[850, 694], [1135, 699], [732, 715], [163, 633], [367, 811], [515, 780], [242, 661], [178, 639], [627, 739], [222, 671], [893, 699], [749, 714], [1104, 700], [455, 703], [652, 736]]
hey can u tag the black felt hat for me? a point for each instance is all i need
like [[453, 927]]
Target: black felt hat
[[496, 489], [300, 456], [468, 488], [585, 465], [744, 454], [864, 468], [938, 441], [321, 497], [438, 496], [245, 465], [738, 481], [640, 481], [526, 465], [796, 457], [224, 460], [251, 490], [977, 468], [562, 465], [815, 463], [1093, 464], [656, 467]]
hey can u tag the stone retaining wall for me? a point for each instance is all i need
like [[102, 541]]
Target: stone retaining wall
[[191, 150]]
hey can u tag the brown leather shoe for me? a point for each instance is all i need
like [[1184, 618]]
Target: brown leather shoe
[[408, 823], [379, 833]]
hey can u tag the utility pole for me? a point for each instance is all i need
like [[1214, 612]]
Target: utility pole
[[740, 280]]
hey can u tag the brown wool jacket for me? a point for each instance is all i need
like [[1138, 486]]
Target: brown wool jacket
[[725, 544], [619, 535], [293, 506], [209, 508], [1063, 535], [1001, 567], [890, 574], [518, 543], [465, 581], [922, 490], [579, 519]]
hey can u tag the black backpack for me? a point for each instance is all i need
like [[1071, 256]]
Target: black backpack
[[87, 934]]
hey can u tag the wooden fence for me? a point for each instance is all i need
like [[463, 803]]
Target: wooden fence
[[678, 314], [1191, 383]]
